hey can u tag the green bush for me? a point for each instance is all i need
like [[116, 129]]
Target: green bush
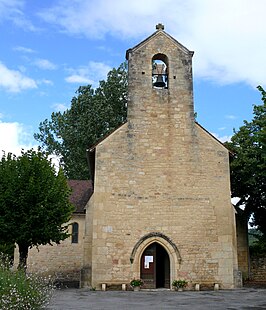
[[179, 283], [136, 282], [20, 291]]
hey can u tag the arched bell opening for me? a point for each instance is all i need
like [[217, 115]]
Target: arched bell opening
[[160, 71]]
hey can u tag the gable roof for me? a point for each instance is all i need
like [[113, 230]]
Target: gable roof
[[211, 135], [159, 31], [81, 193]]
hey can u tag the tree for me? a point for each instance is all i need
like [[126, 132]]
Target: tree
[[257, 242], [93, 113], [7, 249], [248, 166], [34, 202]]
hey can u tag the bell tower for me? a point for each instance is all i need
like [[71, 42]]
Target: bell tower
[[160, 82]]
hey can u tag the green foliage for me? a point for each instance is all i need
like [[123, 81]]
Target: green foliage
[[179, 283], [19, 291], [136, 282], [93, 114], [253, 235], [258, 248], [257, 243], [7, 249], [248, 166], [34, 201]]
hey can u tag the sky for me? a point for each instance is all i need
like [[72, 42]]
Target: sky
[[50, 48]]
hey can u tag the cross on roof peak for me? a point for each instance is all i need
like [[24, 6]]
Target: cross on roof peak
[[160, 26]]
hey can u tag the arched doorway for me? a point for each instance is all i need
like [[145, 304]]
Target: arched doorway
[[155, 267]]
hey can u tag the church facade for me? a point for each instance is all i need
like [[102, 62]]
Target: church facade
[[159, 208]]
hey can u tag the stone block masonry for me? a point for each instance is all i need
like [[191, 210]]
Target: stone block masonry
[[63, 261], [161, 175]]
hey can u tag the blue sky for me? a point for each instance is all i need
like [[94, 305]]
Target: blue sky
[[50, 48]]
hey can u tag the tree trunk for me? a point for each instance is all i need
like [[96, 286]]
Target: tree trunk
[[23, 255]]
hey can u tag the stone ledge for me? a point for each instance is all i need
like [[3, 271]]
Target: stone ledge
[[114, 286]]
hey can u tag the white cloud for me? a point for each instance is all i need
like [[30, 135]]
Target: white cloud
[[227, 36], [10, 7], [230, 116], [89, 74], [60, 107], [44, 64], [12, 10], [116, 17], [24, 49], [14, 137], [75, 78], [14, 81], [45, 81], [98, 68], [222, 138]]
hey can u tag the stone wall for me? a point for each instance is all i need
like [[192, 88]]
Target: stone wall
[[161, 173], [258, 268], [242, 245], [63, 261]]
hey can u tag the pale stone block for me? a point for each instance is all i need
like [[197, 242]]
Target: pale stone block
[[197, 287]]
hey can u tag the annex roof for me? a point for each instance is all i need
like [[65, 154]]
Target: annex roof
[[81, 193]]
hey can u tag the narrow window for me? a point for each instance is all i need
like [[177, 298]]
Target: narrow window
[[160, 71], [75, 232]]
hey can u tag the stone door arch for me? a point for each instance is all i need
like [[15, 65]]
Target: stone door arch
[[162, 240]]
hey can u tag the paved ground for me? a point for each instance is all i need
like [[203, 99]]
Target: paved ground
[[75, 299]]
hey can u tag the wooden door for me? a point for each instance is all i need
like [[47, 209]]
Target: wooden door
[[155, 267], [148, 270]]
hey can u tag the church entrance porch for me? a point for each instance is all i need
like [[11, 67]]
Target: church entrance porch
[[155, 267]]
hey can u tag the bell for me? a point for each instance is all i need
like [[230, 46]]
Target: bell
[[159, 81]]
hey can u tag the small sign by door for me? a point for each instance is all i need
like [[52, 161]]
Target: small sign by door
[[147, 261]]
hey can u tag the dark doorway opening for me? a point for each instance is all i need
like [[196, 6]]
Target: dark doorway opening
[[155, 267]]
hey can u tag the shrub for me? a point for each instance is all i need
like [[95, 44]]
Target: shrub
[[20, 291], [136, 282], [179, 283]]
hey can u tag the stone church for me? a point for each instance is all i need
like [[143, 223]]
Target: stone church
[[158, 206]]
